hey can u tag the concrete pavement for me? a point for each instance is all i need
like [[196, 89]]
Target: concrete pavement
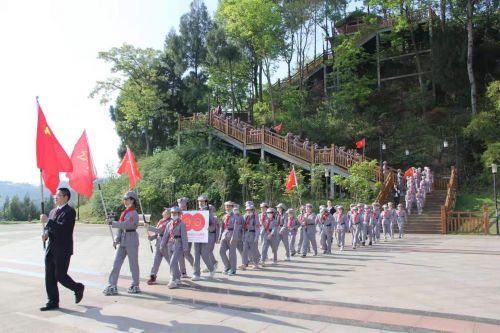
[[421, 283]]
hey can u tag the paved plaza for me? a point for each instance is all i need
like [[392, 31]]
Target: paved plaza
[[423, 283]]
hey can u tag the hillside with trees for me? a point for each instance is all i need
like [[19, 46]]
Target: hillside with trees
[[412, 74]]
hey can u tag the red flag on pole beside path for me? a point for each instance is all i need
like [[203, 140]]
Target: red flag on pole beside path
[[291, 180], [409, 172], [360, 144], [129, 166], [50, 155], [83, 175]]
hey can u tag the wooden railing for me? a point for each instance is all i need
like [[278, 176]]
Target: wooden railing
[[385, 191], [450, 200], [308, 69], [468, 222], [249, 135]]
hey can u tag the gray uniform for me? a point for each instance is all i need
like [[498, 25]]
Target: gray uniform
[[213, 234], [393, 221], [271, 239], [386, 222], [325, 222], [377, 222], [309, 233], [159, 231], [356, 220], [202, 251], [282, 220], [176, 242], [128, 240], [401, 219], [293, 226], [229, 238], [250, 239], [341, 222]]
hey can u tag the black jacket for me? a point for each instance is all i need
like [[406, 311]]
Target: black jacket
[[60, 228]]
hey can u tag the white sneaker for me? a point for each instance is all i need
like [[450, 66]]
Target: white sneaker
[[134, 290], [110, 291], [275, 262], [195, 278], [288, 259], [212, 273], [205, 270], [341, 248], [172, 285]]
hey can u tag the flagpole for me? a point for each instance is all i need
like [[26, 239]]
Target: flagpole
[[132, 170], [143, 217], [42, 204], [106, 214]]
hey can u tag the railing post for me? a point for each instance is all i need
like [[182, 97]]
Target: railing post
[[332, 154], [486, 219], [443, 220], [312, 154], [286, 142], [226, 126], [244, 135], [262, 135]]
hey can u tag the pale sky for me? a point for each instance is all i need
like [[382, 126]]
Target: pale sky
[[49, 49]]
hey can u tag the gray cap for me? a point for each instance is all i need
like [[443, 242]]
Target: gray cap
[[249, 207], [270, 210], [182, 201], [324, 209], [175, 209], [264, 205], [289, 211], [203, 197], [309, 205], [249, 203], [130, 194], [339, 207], [228, 203], [281, 205]]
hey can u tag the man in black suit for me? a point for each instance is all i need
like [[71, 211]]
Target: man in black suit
[[59, 231]]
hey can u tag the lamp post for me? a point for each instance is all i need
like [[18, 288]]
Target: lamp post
[[494, 170], [382, 147], [327, 174], [173, 188]]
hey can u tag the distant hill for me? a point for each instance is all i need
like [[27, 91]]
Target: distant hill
[[10, 189]]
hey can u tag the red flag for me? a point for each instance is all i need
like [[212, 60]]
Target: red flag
[[83, 175], [278, 128], [360, 144], [129, 166], [409, 172], [291, 180], [50, 155]]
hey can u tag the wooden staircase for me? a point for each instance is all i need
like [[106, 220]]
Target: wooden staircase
[[246, 137], [429, 222]]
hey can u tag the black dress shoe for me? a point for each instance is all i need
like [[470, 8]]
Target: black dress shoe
[[49, 307], [79, 293]]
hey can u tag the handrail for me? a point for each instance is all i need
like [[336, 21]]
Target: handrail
[[249, 135], [386, 188], [450, 200]]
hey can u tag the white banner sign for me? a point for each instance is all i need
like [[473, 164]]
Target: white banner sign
[[196, 222]]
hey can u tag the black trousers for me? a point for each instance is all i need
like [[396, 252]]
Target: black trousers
[[56, 270]]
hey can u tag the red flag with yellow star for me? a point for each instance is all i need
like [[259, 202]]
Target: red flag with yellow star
[[129, 166], [50, 155], [82, 178]]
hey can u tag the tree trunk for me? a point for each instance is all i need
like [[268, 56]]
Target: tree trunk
[[470, 49], [261, 98], [267, 73], [443, 13], [233, 98], [417, 57], [146, 141], [255, 83]]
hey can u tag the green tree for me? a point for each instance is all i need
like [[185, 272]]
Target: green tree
[[359, 182]]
